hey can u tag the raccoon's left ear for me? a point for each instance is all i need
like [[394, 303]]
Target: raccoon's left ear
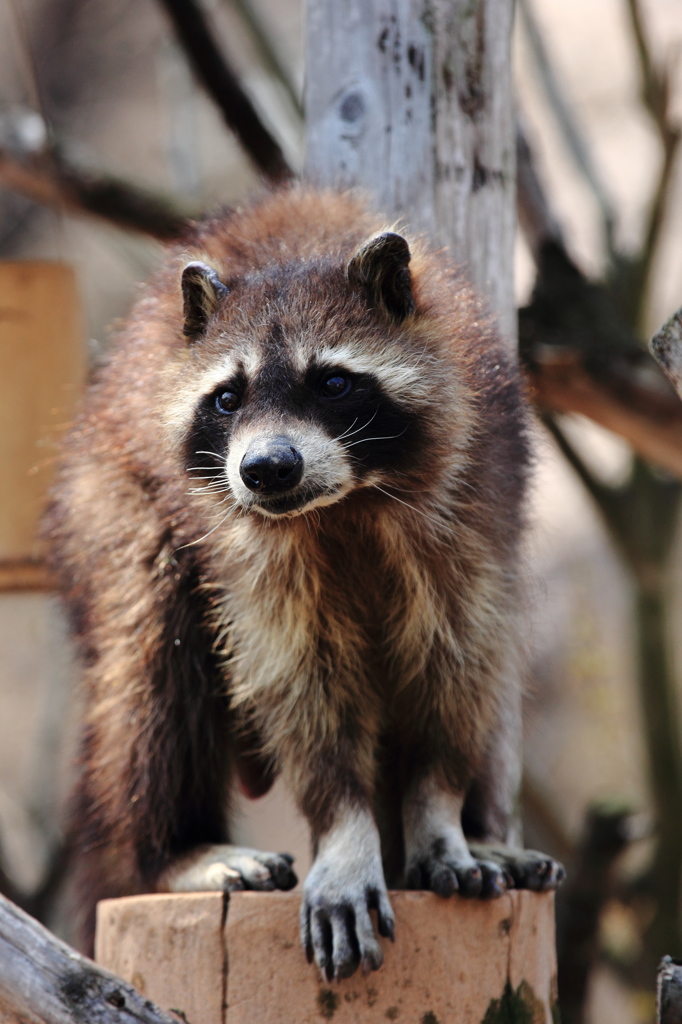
[[379, 270], [202, 291]]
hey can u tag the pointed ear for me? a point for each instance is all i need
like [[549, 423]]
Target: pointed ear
[[379, 270], [202, 291]]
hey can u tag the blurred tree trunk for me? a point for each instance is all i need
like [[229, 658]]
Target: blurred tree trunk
[[412, 100]]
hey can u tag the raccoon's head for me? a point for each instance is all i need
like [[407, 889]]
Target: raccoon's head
[[313, 379]]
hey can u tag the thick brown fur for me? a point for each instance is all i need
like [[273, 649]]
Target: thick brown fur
[[355, 647]]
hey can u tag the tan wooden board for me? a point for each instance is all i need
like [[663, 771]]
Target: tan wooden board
[[42, 365], [451, 961]]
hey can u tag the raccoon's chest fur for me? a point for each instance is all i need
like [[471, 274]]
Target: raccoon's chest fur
[[306, 610]]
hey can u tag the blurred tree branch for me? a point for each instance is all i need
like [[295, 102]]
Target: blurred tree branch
[[608, 830], [656, 94], [222, 85], [36, 167], [268, 52], [567, 123]]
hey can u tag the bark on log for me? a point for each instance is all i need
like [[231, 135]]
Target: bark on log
[[669, 991], [412, 100], [666, 348], [454, 961], [44, 980]]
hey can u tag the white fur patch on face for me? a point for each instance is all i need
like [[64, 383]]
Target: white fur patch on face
[[327, 475], [179, 413], [398, 377]]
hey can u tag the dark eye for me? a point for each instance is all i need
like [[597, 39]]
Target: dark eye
[[227, 402], [335, 386]]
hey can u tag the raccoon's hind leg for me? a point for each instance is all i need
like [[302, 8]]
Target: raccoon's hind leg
[[155, 755], [437, 856], [228, 868], [491, 817]]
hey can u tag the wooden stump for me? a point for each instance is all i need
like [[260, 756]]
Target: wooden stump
[[214, 961]]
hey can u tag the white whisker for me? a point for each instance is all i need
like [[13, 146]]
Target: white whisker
[[200, 539], [363, 427], [386, 437], [345, 433], [432, 519], [214, 455]]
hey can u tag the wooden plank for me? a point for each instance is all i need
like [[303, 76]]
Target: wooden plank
[[24, 574], [453, 960], [42, 365]]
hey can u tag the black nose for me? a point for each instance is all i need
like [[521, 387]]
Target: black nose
[[272, 467]]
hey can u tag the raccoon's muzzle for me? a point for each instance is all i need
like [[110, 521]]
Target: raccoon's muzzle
[[271, 466]]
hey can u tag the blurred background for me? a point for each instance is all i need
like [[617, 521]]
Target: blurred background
[[600, 97]]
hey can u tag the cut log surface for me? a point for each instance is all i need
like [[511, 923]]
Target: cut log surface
[[454, 961]]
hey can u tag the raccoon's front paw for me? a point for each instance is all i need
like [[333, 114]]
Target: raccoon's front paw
[[445, 871], [527, 869], [336, 929], [226, 868]]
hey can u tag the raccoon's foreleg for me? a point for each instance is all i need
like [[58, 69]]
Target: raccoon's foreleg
[[346, 880]]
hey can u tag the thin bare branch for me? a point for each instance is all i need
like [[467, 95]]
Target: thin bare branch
[[655, 91], [535, 217], [33, 167], [566, 121], [593, 486], [220, 82], [269, 52]]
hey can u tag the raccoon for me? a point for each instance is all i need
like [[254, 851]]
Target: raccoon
[[286, 525]]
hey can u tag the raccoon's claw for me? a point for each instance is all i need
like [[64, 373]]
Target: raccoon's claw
[[340, 937], [446, 874], [525, 869], [226, 868]]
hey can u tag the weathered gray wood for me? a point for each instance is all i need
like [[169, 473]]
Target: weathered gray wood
[[666, 347], [669, 991], [412, 101], [43, 979]]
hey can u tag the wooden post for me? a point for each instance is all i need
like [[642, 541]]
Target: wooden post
[[412, 100], [214, 961]]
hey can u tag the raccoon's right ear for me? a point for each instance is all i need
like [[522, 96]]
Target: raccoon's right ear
[[202, 291], [380, 271]]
